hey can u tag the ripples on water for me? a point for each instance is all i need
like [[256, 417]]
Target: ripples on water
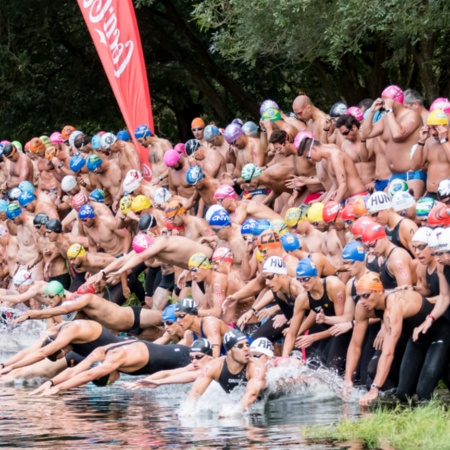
[[118, 418]]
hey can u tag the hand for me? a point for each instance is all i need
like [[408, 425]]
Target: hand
[[266, 312], [242, 321], [279, 320], [422, 328], [261, 126], [320, 317], [340, 328], [20, 319], [370, 187], [229, 302], [377, 105], [424, 133], [366, 399], [378, 342], [442, 132], [389, 103], [346, 390], [81, 181], [126, 292], [6, 370], [94, 278], [226, 178], [47, 271], [181, 282], [305, 341], [115, 206], [43, 387], [248, 246], [52, 391]]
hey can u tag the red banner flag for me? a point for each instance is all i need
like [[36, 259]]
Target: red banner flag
[[113, 28]]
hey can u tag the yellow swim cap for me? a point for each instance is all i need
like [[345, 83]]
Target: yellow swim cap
[[76, 250], [140, 203], [259, 257], [125, 204], [437, 117], [315, 212], [293, 217], [199, 260], [279, 226]]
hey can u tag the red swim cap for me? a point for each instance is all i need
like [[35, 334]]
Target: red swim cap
[[360, 224], [86, 289], [372, 233], [331, 212], [348, 213], [438, 215]]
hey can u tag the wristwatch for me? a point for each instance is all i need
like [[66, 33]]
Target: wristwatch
[[374, 386], [443, 141], [388, 110]]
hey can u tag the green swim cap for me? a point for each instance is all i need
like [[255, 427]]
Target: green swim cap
[[423, 206], [250, 171], [397, 185], [272, 114], [18, 145], [54, 288]]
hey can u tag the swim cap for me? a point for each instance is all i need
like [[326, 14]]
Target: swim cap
[[18, 145], [25, 198], [74, 136], [359, 207], [76, 163], [232, 337], [199, 260], [402, 201], [338, 109], [46, 141], [123, 135], [266, 104], [54, 288], [79, 200], [75, 250], [268, 239], [272, 114], [201, 345], [26, 186], [393, 92], [161, 196], [247, 226], [54, 225], [378, 201], [301, 138], [422, 235], [186, 305], [331, 211], [146, 221], [233, 132], [355, 112], [132, 181], [293, 217], [14, 193], [290, 242], [142, 131], [169, 313], [197, 123], [397, 185], [194, 174], [69, 316], [353, 251], [279, 226], [12, 211], [260, 226], [68, 183], [40, 219], [141, 242], [36, 145], [22, 278], [103, 380], [97, 195], [191, 146], [443, 190], [262, 345], [437, 117], [306, 267], [67, 131], [372, 233], [86, 212], [259, 257], [423, 206], [108, 139], [96, 141], [171, 157], [225, 191], [94, 162], [51, 152], [433, 241], [250, 171], [140, 203], [174, 208], [3, 205], [211, 131], [315, 212], [3, 230], [348, 212], [8, 150], [441, 103], [180, 148], [125, 205], [250, 129], [438, 215], [444, 240], [211, 210], [220, 219], [222, 254], [370, 281], [359, 225], [56, 138]]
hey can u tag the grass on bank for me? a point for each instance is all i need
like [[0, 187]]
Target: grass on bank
[[423, 427]]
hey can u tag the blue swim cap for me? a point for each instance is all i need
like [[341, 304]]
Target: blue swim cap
[[238, 121], [353, 251], [247, 226], [191, 146], [3, 205], [260, 226], [376, 117], [142, 131], [210, 132], [13, 210], [77, 162], [25, 198], [169, 313], [220, 218], [194, 175], [13, 194], [123, 135], [97, 195], [290, 242], [86, 212], [94, 162], [26, 186], [96, 141], [306, 268]]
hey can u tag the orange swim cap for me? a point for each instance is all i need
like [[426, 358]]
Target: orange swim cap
[[67, 131], [359, 207], [198, 123], [174, 208], [36, 145], [269, 239], [370, 281]]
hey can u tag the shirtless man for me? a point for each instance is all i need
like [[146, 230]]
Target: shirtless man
[[399, 129], [39, 203], [20, 167], [198, 128], [49, 182], [413, 100], [216, 142], [204, 185], [124, 152], [211, 162], [9, 248], [315, 118], [177, 176]]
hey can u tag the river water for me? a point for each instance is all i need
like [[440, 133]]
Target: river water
[[114, 417]]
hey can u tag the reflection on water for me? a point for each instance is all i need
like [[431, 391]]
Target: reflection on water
[[117, 418]]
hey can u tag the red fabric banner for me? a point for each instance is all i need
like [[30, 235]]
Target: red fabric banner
[[113, 27]]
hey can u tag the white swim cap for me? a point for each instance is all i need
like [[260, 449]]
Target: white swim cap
[[262, 345], [433, 240], [22, 278], [68, 183], [444, 240], [402, 200], [379, 201], [131, 181], [70, 316], [275, 264], [422, 235]]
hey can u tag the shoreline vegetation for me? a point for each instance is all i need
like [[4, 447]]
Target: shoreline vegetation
[[403, 427]]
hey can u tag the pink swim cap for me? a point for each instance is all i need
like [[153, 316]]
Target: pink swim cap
[[441, 103], [180, 148], [393, 92], [5, 142], [222, 254], [224, 191], [171, 157], [355, 112], [56, 138], [141, 242], [301, 137]]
